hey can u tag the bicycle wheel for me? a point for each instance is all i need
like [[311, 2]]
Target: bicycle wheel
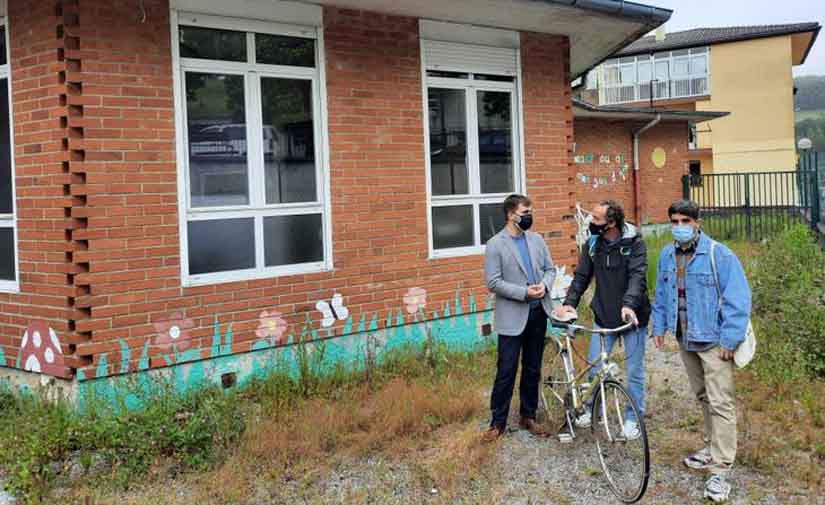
[[625, 462], [553, 385]]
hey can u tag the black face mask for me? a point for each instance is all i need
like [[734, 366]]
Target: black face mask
[[525, 222], [597, 229]]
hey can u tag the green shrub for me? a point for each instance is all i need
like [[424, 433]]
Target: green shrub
[[788, 283]]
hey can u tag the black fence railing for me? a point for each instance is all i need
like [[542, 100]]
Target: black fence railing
[[813, 195], [754, 205]]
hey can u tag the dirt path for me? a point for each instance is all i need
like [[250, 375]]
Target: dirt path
[[525, 470]]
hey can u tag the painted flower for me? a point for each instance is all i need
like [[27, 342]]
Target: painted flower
[[415, 300], [174, 331], [271, 324]]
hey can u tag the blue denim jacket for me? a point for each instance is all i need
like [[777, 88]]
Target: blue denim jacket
[[706, 323]]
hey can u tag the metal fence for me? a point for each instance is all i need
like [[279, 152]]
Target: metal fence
[[755, 205], [813, 195]]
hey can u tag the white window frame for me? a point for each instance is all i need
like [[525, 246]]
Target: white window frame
[[257, 207], [609, 89], [474, 197], [10, 220]]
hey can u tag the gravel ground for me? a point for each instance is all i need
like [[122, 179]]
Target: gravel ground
[[527, 470]]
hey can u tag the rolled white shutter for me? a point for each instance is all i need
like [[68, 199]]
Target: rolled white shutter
[[457, 57]]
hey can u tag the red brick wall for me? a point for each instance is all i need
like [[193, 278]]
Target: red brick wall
[[659, 186], [548, 137], [122, 148], [597, 137], [42, 178]]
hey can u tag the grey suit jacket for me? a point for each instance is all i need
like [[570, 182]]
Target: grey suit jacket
[[507, 277]]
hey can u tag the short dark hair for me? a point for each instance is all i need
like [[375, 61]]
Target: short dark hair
[[512, 202], [687, 208], [615, 212]]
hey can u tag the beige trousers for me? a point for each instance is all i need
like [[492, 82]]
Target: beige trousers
[[711, 380]]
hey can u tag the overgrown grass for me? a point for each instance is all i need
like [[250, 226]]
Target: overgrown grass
[[288, 427], [41, 440]]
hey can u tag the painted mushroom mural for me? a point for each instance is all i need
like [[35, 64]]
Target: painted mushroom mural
[[41, 352]]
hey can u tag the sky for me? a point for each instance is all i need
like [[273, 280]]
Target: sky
[[705, 13]]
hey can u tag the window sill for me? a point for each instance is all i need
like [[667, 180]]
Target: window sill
[[11, 287], [457, 252], [253, 275]]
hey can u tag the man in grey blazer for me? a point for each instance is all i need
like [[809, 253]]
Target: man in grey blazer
[[520, 272]]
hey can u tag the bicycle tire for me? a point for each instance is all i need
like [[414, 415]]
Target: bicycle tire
[[551, 377], [619, 456]]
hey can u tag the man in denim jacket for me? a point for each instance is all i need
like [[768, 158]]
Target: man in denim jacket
[[708, 330]]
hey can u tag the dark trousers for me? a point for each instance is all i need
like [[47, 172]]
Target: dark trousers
[[530, 344]]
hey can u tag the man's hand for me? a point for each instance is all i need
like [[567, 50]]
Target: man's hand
[[536, 291], [725, 354], [629, 315], [659, 340], [564, 309]]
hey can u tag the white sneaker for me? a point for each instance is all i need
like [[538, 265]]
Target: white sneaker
[[717, 488], [631, 430], [699, 460], [584, 420]]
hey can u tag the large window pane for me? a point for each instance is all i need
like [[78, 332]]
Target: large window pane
[[645, 71], [220, 245], [452, 226], [293, 239], [211, 44], [491, 220], [288, 141], [6, 196], [662, 70], [281, 50], [680, 67], [627, 74], [216, 126], [3, 59], [611, 75], [7, 254], [495, 141], [699, 65], [448, 141]]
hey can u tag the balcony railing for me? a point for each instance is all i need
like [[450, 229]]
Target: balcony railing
[[675, 88]]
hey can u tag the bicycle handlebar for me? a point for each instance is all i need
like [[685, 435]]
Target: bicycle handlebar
[[603, 331]]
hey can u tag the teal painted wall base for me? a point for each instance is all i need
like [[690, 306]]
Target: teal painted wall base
[[116, 385]]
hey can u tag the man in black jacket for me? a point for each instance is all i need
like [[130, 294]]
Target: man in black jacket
[[616, 256]]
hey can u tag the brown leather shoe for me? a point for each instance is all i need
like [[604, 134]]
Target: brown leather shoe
[[492, 434], [530, 424]]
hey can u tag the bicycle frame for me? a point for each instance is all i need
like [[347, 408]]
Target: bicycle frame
[[606, 370]]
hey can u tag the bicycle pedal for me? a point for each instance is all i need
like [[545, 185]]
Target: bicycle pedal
[[565, 438]]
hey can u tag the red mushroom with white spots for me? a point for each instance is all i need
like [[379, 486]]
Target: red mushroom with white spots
[[41, 351]]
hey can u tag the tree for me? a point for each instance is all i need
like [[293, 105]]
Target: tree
[[810, 94]]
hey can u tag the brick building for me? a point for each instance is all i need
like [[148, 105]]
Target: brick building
[[607, 166], [192, 186]]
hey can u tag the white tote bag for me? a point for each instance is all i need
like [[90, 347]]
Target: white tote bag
[[746, 350]]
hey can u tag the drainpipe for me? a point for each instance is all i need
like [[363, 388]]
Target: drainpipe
[[637, 188]]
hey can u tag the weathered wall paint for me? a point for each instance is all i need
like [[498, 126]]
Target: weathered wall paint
[[455, 326]]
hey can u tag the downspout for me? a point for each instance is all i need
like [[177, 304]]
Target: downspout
[[637, 185]]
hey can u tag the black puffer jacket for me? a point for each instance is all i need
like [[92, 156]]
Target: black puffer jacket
[[620, 269]]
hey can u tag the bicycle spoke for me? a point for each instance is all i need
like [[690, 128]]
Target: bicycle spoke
[[625, 461]]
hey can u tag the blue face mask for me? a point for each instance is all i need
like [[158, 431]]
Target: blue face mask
[[683, 233]]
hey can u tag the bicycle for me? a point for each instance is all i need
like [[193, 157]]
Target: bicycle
[[625, 461]]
